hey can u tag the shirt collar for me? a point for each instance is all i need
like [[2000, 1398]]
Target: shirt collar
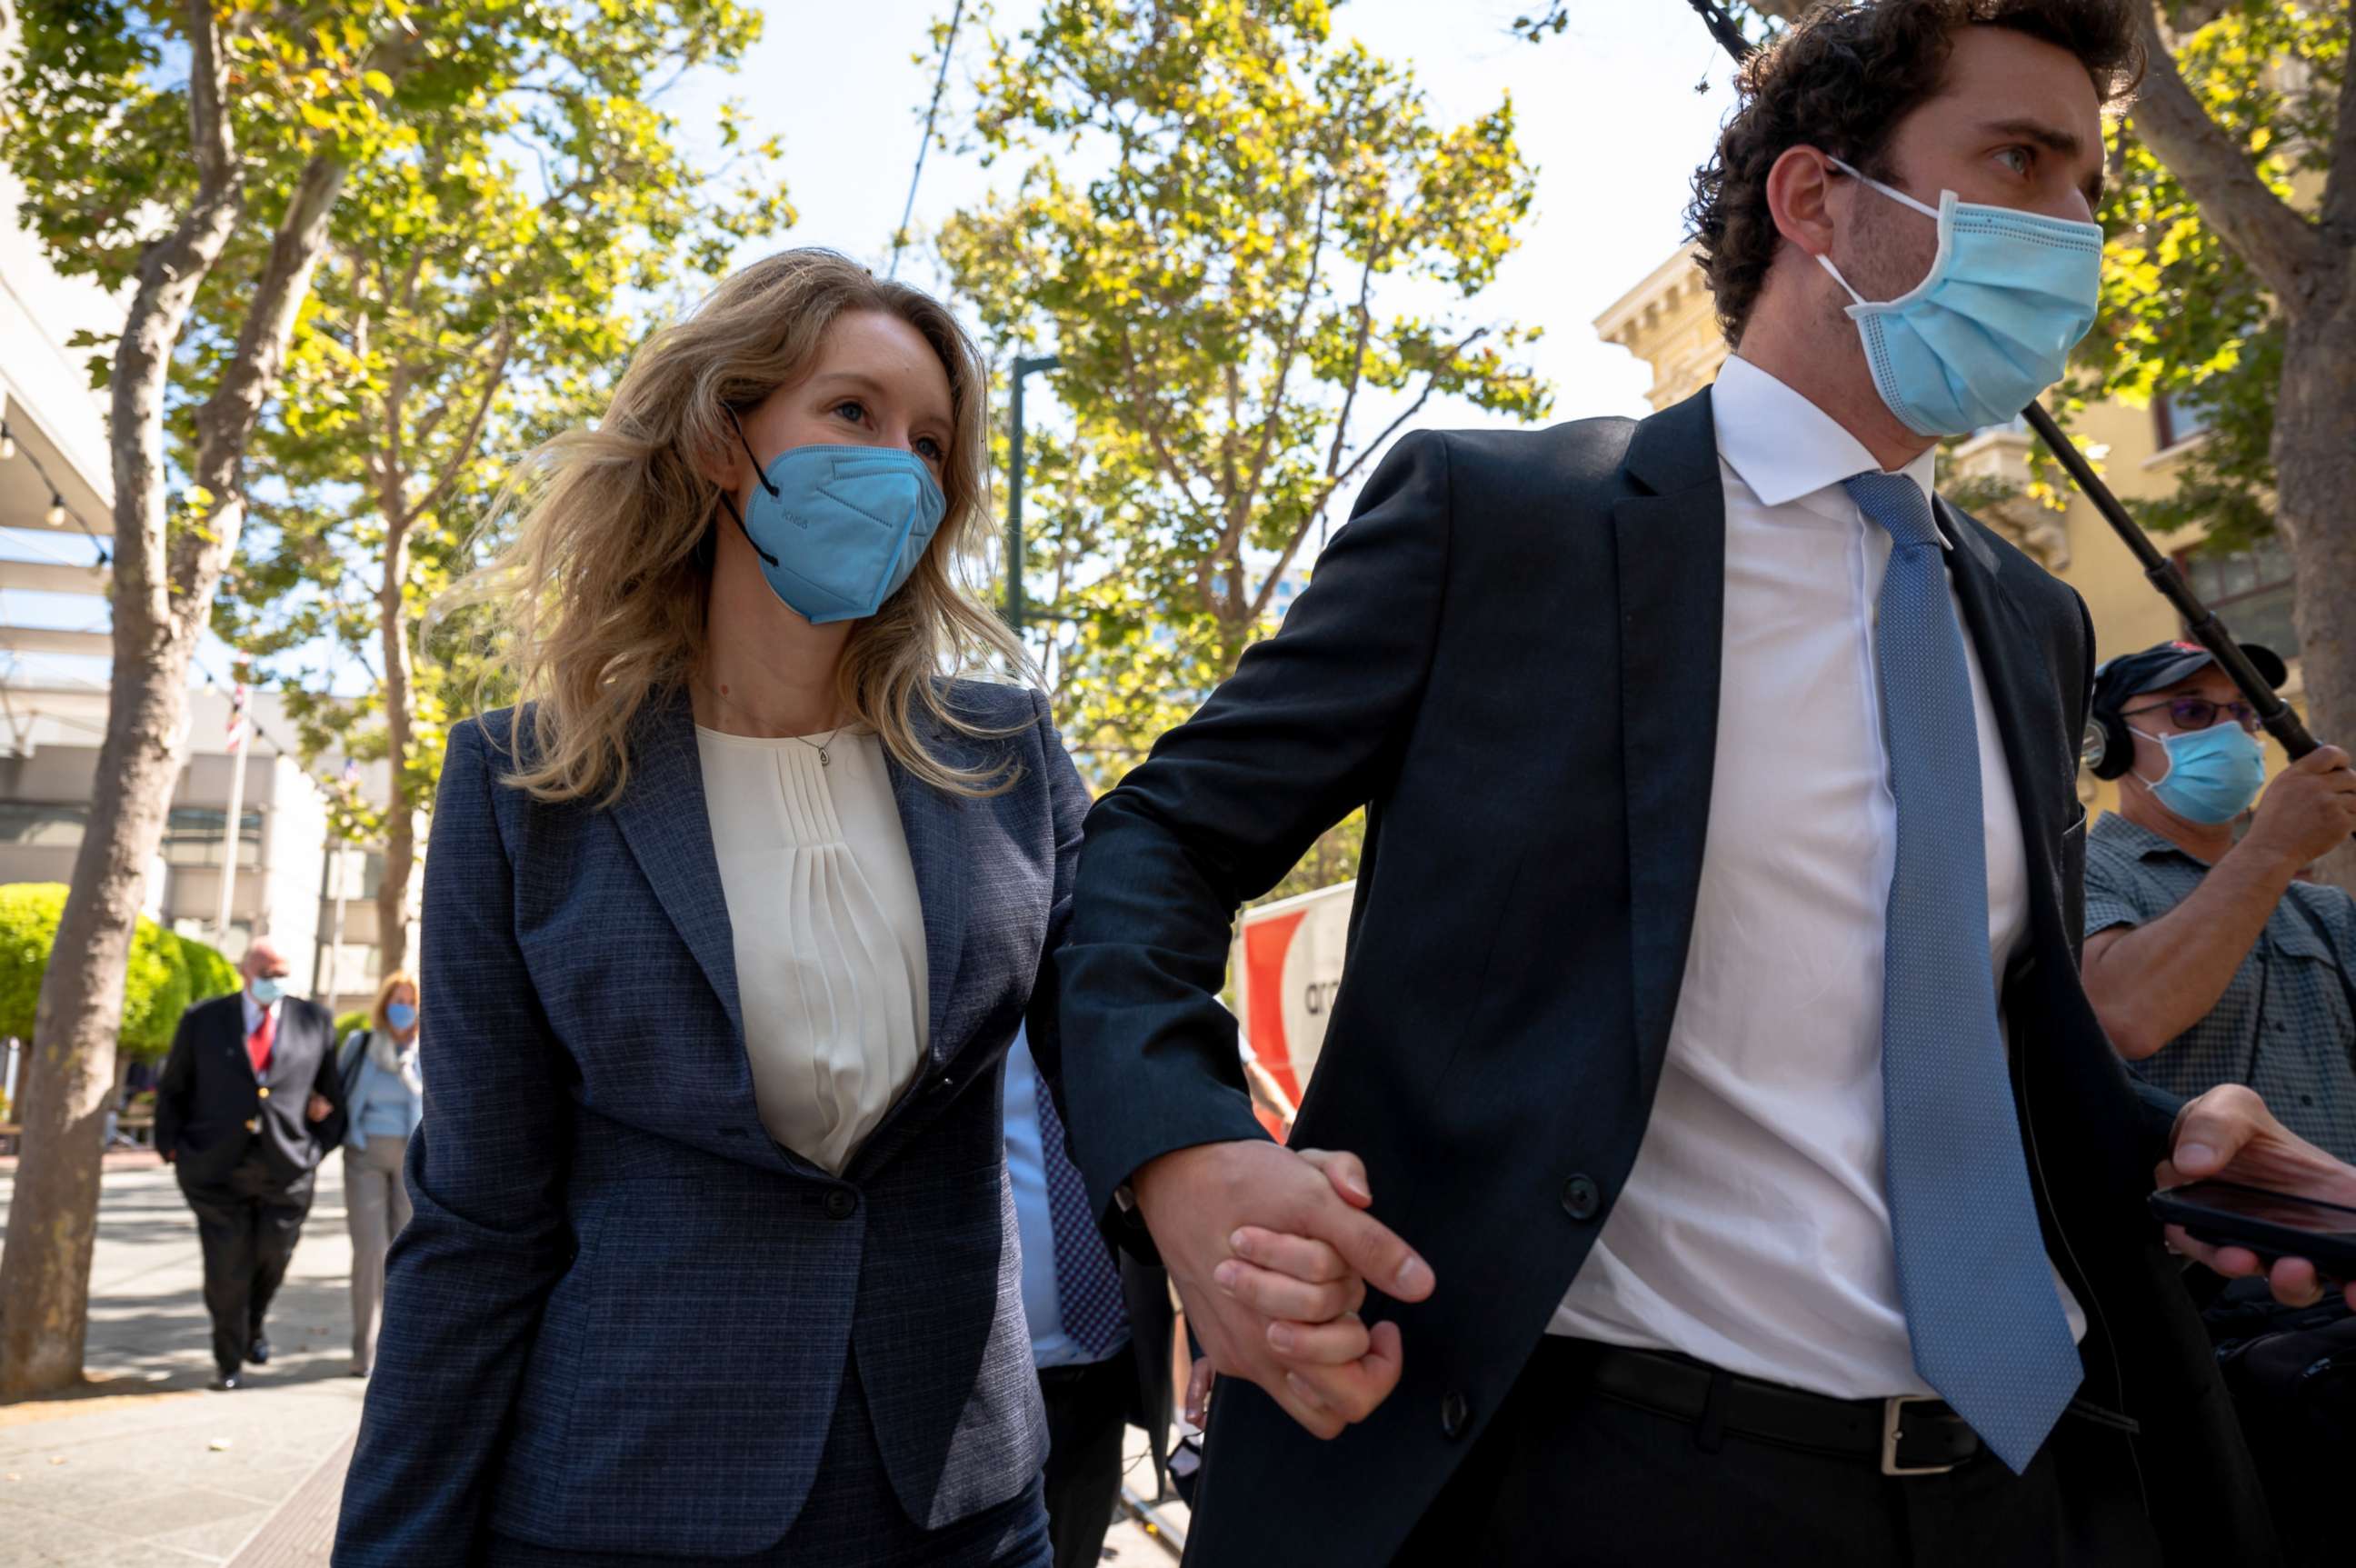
[[2140, 841], [1789, 451]]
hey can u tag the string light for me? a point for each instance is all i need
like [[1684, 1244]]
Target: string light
[[8, 444], [56, 516]]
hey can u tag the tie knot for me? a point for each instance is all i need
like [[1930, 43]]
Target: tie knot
[[1897, 505]]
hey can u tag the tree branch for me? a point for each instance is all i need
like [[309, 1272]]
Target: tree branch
[[2286, 251], [492, 380], [1239, 504]]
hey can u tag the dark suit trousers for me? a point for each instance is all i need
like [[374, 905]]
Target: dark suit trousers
[[1087, 1411], [248, 1222], [1565, 1476]]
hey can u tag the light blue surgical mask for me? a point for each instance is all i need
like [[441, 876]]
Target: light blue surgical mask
[[1993, 322], [264, 990], [2213, 773], [401, 1015], [838, 529]]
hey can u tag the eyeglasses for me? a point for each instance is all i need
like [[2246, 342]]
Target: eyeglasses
[[2199, 713]]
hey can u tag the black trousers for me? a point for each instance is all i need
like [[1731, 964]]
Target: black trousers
[[1087, 1411], [248, 1222], [1564, 1475]]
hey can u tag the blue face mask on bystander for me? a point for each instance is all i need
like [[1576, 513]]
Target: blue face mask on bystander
[[400, 1015], [838, 529], [2213, 773], [1993, 322], [266, 990]]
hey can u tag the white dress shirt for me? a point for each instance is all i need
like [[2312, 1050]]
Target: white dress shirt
[[256, 1013], [828, 932], [1754, 1231]]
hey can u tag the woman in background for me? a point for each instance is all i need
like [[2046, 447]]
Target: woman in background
[[382, 1098], [729, 928]]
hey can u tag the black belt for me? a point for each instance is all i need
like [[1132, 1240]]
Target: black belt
[[1908, 1434]]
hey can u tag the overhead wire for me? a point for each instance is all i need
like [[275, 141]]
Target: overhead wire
[[932, 112]]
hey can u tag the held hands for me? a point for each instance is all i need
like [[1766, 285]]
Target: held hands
[[2228, 1134], [2310, 809], [316, 1109], [1271, 1252]]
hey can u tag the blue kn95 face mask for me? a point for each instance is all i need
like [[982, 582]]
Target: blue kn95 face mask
[[838, 529], [1993, 322]]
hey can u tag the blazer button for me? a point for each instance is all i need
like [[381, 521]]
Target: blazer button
[[842, 1203], [1455, 1414], [1581, 1198], [263, 1091]]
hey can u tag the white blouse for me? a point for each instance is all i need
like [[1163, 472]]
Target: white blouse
[[830, 934]]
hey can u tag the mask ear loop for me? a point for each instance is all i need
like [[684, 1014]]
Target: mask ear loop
[[2161, 742], [1891, 191], [763, 479]]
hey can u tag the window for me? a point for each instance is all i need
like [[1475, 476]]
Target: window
[[2250, 590], [42, 827], [192, 836], [2179, 417]]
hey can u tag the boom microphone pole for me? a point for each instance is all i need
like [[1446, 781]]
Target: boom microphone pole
[[2200, 622]]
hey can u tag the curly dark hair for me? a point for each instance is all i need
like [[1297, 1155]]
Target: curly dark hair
[[1841, 79]]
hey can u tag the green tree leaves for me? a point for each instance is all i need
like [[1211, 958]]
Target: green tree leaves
[[1252, 248]]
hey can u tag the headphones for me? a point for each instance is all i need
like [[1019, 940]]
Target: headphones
[[2107, 748]]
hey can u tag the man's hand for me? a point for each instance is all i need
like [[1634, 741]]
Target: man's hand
[[2228, 1134], [1271, 1263], [2308, 811], [316, 1109]]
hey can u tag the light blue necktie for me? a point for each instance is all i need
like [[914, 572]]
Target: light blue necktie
[[1981, 1310]]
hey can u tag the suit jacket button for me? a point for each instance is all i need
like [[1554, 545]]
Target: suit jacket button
[[1455, 1414], [842, 1203], [263, 1091], [1581, 1198]]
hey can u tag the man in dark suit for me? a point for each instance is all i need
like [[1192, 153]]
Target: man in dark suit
[[1102, 1329], [242, 1114], [1720, 789]]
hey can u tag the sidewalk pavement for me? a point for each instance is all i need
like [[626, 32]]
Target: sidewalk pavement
[[146, 1466]]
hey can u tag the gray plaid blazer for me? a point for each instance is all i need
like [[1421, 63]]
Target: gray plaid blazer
[[622, 1314]]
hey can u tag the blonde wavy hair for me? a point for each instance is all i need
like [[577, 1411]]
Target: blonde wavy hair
[[605, 590]]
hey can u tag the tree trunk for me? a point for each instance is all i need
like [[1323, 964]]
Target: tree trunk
[[2315, 467], [400, 814], [53, 1216]]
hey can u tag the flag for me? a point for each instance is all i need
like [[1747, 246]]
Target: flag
[[236, 724]]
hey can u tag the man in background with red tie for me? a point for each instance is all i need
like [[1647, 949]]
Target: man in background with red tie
[[241, 1115]]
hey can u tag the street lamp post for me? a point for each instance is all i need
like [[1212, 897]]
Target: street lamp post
[[1024, 365]]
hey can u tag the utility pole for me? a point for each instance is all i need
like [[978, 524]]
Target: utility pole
[[1024, 365], [240, 742]]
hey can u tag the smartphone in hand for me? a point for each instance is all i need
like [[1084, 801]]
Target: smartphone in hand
[[2271, 1224]]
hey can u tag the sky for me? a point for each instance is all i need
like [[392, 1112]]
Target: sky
[[1607, 113]]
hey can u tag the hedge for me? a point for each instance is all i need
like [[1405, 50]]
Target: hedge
[[166, 971]]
